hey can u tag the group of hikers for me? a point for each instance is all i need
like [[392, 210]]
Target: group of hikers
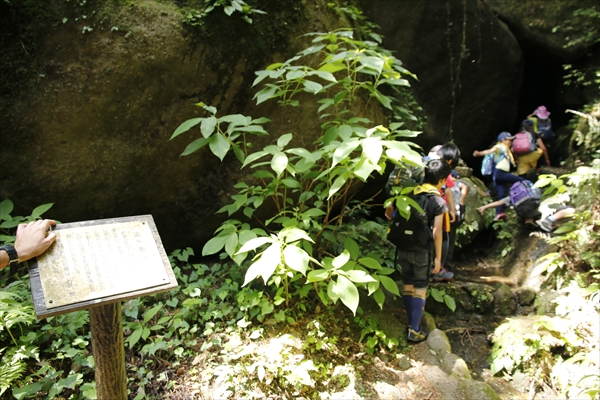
[[425, 238]]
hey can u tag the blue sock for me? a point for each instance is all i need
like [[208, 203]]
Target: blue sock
[[418, 307], [408, 302]]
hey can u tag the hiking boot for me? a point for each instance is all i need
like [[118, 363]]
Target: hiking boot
[[416, 337], [443, 275], [499, 217], [545, 224]]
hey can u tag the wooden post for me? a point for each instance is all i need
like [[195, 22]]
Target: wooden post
[[109, 351]]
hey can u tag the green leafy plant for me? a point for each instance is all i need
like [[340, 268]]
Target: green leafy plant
[[308, 185], [441, 296], [195, 17], [376, 338]]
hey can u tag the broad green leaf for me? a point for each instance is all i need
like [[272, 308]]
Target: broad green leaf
[[341, 260], [384, 100], [208, 126], [379, 297], [352, 247], [296, 258], [294, 234], [279, 162], [344, 150], [370, 263], [364, 169], [337, 185], [214, 245], [253, 157], [372, 149], [437, 295], [149, 314], [293, 75], [449, 300], [6, 207], [253, 244], [268, 92], [311, 50], [194, 146], [284, 140], [263, 173], [10, 224], [231, 244], [388, 284], [332, 291], [375, 63], [348, 293], [359, 276], [291, 183], [219, 145], [328, 76], [185, 126], [266, 265], [330, 135], [260, 76], [38, 211], [333, 67], [312, 87], [317, 275]]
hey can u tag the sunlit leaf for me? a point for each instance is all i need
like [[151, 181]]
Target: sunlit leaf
[[348, 293], [279, 162], [296, 258], [185, 126], [219, 145]]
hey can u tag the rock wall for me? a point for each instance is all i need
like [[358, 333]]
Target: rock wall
[[91, 132], [468, 63]]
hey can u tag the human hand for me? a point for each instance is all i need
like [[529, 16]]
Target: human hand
[[476, 153], [34, 238], [389, 212], [452, 216], [436, 266], [481, 210]]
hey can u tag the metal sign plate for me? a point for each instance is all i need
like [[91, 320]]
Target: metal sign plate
[[98, 261]]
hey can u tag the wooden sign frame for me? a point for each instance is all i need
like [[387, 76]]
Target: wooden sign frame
[[41, 307]]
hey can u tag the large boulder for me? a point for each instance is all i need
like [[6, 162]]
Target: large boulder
[[90, 131], [468, 63], [551, 24]]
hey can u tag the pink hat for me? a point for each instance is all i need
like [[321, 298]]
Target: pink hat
[[541, 112]]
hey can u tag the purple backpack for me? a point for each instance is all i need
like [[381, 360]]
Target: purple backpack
[[525, 198]]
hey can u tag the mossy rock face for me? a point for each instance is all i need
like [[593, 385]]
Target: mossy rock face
[[505, 301], [550, 23], [443, 43], [90, 129], [482, 297]]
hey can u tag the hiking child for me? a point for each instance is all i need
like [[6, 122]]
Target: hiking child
[[529, 159], [416, 265], [448, 153], [504, 160], [542, 125], [547, 224]]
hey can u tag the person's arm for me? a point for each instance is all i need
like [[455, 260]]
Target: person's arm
[[32, 240], [438, 236], [482, 153], [490, 205], [464, 191], [451, 208], [542, 146]]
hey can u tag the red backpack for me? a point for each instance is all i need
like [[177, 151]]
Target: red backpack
[[524, 143]]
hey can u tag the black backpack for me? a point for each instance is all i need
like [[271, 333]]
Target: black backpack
[[414, 233]]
